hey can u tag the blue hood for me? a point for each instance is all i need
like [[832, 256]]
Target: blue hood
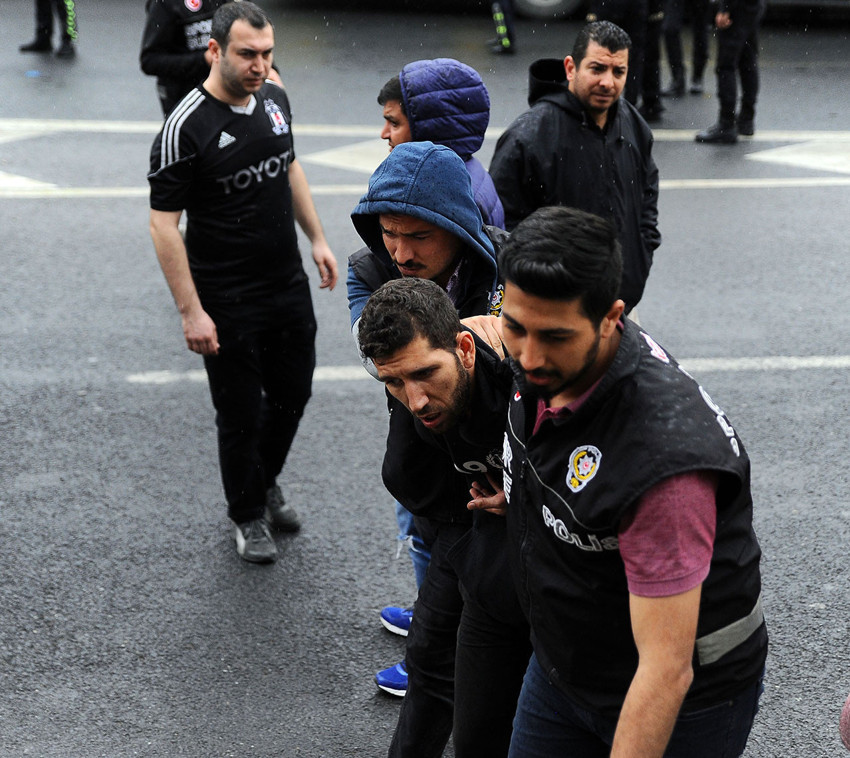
[[431, 183], [447, 103]]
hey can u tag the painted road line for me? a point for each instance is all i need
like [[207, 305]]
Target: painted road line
[[694, 365], [35, 127], [14, 190], [321, 374], [767, 363]]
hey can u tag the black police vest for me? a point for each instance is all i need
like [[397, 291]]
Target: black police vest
[[570, 484]]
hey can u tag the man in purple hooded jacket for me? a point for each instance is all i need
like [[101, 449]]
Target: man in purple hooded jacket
[[445, 102]]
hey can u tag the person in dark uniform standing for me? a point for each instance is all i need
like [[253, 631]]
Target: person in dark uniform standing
[[226, 156], [674, 21], [737, 24], [629, 519], [504, 19], [175, 46], [66, 12]]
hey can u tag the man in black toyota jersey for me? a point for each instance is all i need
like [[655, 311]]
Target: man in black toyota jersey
[[225, 155]]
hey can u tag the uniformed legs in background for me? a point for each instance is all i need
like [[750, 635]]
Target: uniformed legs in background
[[674, 21], [503, 18], [651, 106], [66, 12], [737, 57]]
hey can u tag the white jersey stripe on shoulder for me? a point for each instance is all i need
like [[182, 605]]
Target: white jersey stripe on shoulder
[[170, 148]]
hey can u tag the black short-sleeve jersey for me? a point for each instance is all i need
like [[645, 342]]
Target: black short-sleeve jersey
[[228, 168]]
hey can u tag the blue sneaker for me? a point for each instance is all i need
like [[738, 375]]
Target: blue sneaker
[[396, 619], [393, 680]]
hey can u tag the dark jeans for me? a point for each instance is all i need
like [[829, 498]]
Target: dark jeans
[[492, 656], [260, 383], [737, 56], [674, 22], [65, 10], [549, 723], [425, 719]]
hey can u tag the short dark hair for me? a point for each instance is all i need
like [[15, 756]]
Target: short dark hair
[[603, 33], [241, 10], [392, 91], [563, 253], [400, 311]]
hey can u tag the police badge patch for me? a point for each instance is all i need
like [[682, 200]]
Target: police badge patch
[[279, 125], [584, 463]]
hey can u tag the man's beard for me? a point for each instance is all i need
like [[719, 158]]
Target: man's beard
[[571, 381]]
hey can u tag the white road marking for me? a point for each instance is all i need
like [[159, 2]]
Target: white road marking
[[17, 192], [23, 128], [816, 150], [693, 365], [819, 156], [321, 374], [17, 183]]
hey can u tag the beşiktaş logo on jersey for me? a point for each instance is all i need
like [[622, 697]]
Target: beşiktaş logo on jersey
[[226, 139], [193, 5], [279, 125], [584, 463], [655, 350], [496, 300]]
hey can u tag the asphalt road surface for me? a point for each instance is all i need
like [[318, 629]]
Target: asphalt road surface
[[128, 625]]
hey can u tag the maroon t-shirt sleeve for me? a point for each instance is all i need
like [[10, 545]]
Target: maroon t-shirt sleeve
[[667, 539]]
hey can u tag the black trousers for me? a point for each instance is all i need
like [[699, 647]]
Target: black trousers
[[260, 383], [492, 656], [674, 22], [65, 11], [737, 56], [427, 711], [465, 665]]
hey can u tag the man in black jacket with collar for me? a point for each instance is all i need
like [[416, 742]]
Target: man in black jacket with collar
[[454, 389], [582, 145]]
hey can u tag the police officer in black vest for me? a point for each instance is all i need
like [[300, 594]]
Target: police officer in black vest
[[629, 519]]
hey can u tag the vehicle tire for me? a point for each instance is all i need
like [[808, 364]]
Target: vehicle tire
[[547, 8]]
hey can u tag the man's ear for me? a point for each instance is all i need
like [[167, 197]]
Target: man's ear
[[612, 318], [466, 349], [570, 67], [215, 49]]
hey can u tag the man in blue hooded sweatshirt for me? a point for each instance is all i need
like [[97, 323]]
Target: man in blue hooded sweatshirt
[[419, 219], [445, 102]]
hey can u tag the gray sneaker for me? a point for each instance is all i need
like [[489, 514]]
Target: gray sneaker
[[254, 543], [280, 515]]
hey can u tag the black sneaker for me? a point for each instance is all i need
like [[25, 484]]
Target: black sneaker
[[254, 543], [66, 49], [280, 515], [38, 45], [718, 134]]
